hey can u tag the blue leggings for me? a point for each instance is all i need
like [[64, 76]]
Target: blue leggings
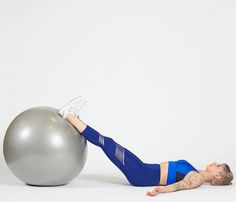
[[137, 172]]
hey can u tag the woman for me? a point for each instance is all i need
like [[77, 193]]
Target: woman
[[169, 176]]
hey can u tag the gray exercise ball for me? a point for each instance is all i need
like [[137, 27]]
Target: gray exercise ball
[[41, 148]]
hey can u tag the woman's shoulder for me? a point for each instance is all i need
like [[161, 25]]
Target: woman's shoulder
[[194, 179], [194, 174]]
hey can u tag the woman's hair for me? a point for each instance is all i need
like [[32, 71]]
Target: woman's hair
[[226, 176]]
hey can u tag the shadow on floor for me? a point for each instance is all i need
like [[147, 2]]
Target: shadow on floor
[[102, 179], [81, 181]]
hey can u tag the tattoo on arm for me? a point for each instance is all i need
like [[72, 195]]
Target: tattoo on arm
[[191, 180], [180, 185]]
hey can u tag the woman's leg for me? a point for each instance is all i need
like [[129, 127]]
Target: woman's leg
[[137, 172]]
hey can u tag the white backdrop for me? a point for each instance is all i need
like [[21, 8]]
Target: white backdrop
[[159, 76]]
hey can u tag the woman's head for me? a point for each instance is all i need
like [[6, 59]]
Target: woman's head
[[222, 174]]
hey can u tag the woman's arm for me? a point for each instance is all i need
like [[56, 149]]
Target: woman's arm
[[192, 180]]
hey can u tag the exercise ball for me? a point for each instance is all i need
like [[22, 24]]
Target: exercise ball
[[43, 149]]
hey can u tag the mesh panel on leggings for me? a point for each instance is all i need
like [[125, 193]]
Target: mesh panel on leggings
[[101, 139], [120, 152]]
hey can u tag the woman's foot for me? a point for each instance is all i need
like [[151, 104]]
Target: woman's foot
[[72, 107]]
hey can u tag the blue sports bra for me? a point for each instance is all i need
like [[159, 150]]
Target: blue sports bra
[[177, 170]]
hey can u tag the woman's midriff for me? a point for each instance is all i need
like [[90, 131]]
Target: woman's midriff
[[164, 173]]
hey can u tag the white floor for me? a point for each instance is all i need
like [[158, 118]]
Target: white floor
[[104, 187]]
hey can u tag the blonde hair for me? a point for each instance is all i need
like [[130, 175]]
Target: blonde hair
[[226, 176]]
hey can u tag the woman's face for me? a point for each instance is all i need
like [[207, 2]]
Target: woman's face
[[215, 167]]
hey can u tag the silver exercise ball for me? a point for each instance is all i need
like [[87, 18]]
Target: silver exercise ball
[[41, 148]]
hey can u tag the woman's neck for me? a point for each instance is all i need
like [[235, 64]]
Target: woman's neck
[[207, 176]]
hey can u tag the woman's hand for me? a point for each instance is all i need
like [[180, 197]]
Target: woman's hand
[[156, 191]]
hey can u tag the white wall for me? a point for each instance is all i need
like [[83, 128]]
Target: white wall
[[159, 76]]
